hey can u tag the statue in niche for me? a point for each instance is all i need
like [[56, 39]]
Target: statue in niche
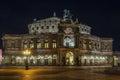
[[69, 41]]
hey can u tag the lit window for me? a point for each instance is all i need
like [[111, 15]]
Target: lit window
[[38, 45], [24, 45], [84, 46], [54, 45], [46, 45], [90, 45], [31, 44]]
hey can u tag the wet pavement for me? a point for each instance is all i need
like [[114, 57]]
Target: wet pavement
[[55, 73]]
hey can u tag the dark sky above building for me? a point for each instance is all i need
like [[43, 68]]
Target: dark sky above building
[[102, 16]]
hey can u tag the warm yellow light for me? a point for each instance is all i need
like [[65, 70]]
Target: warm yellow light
[[26, 52]]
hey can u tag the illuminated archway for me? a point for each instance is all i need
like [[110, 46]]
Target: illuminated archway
[[69, 58]]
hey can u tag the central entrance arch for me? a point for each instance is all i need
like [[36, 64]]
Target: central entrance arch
[[69, 58]]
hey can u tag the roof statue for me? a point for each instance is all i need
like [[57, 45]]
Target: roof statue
[[54, 14], [77, 21], [67, 15], [35, 19]]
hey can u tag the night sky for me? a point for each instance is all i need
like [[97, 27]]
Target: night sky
[[102, 16]]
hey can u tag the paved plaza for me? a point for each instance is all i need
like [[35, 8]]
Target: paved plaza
[[56, 73]]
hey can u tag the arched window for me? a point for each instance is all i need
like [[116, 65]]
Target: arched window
[[42, 27], [37, 28], [46, 44], [47, 27], [25, 46], [90, 45], [31, 44], [32, 28], [38, 44], [54, 45], [53, 26]]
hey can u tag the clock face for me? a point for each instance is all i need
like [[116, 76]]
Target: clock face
[[68, 30]]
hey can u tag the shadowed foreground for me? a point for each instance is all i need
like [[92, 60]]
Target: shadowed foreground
[[55, 74]]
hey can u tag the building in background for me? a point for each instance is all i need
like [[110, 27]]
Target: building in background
[[116, 58], [0, 56], [57, 41]]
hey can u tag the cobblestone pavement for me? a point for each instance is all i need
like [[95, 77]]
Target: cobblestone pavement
[[56, 73]]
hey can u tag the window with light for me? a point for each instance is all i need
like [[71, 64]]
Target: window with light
[[31, 44], [54, 44], [38, 45], [46, 45]]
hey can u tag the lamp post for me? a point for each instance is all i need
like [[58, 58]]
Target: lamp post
[[26, 53]]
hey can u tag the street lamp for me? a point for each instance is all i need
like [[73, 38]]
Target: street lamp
[[26, 53]]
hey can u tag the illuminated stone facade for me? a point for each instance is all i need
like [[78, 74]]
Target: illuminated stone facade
[[57, 41]]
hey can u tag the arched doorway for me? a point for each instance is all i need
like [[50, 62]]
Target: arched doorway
[[69, 58]]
